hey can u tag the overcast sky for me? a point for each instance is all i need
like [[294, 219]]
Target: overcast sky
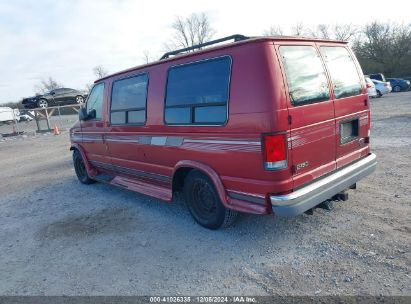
[[65, 39]]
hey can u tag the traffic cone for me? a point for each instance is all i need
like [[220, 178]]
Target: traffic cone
[[56, 130]]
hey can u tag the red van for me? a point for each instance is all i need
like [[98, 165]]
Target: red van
[[260, 125]]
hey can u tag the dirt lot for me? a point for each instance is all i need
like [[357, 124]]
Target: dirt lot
[[59, 237]]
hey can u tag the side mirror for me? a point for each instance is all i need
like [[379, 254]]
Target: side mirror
[[82, 114], [52, 93], [92, 114]]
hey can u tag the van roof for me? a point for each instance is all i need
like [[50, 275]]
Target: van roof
[[224, 46]]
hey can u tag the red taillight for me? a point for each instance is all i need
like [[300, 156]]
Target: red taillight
[[385, 84], [369, 85], [275, 152]]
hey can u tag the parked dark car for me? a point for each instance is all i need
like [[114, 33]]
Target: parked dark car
[[378, 76], [399, 84], [62, 96]]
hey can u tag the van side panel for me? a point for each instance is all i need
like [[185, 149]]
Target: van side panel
[[256, 106]]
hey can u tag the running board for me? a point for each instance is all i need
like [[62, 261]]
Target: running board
[[163, 193], [103, 178]]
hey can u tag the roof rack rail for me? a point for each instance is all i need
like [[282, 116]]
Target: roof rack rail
[[199, 46]]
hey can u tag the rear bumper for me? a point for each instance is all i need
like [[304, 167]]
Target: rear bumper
[[310, 196]]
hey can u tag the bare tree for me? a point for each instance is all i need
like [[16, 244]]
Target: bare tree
[[299, 30], [385, 47], [274, 30], [189, 31], [344, 32], [323, 31], [99, 71], [46, 85], [147, 57]]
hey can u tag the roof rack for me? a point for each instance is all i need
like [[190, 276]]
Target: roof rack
[[199, 46]]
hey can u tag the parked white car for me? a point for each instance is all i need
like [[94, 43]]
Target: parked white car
[[382, 87], [8, 115], [372, 92], [25, 117]]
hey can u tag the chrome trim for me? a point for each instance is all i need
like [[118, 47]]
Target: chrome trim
[[232, 142], [310, 196]]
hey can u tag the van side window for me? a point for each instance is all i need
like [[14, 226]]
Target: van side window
[[95, 100], [306, 78], [197, 93], [343, 72], [128, 100]]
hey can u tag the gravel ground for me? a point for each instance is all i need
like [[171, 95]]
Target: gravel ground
[[59, 237]]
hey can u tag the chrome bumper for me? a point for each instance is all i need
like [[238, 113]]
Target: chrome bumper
[[310, 196]]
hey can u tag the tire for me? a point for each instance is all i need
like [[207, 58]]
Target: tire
[[80, 168], [79, 99], [43, 103], [204, 203], [379, 94], [396, 89]]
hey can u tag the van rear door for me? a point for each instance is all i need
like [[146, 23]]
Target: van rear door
[[311, 111], [350, 103]]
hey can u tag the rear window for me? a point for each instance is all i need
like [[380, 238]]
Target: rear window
[[197, 93], [128, 100], [343, 72], [306, 78]]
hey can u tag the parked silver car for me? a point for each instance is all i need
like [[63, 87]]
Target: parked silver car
[[382, 87], [372, 92]]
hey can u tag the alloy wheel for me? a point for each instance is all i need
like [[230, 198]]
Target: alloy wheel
[[79, 99], [43, 103]]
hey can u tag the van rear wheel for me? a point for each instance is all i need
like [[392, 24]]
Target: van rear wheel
[[204, 203], [80, 168]]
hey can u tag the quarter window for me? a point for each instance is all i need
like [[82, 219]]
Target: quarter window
[[306, 78], [128, 100], [95, 100], [343, 72], [197, 93]]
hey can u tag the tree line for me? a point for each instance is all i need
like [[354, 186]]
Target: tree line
[[381, 47]]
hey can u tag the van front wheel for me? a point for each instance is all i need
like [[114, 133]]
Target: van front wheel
[[80, 168], [204, 203]]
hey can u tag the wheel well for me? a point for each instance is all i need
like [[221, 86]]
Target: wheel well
[[178, 178]]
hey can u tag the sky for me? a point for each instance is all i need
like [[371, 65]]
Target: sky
[[65, 39]]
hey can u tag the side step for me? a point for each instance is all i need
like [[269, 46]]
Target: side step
[[103, 178], [157, 191]]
